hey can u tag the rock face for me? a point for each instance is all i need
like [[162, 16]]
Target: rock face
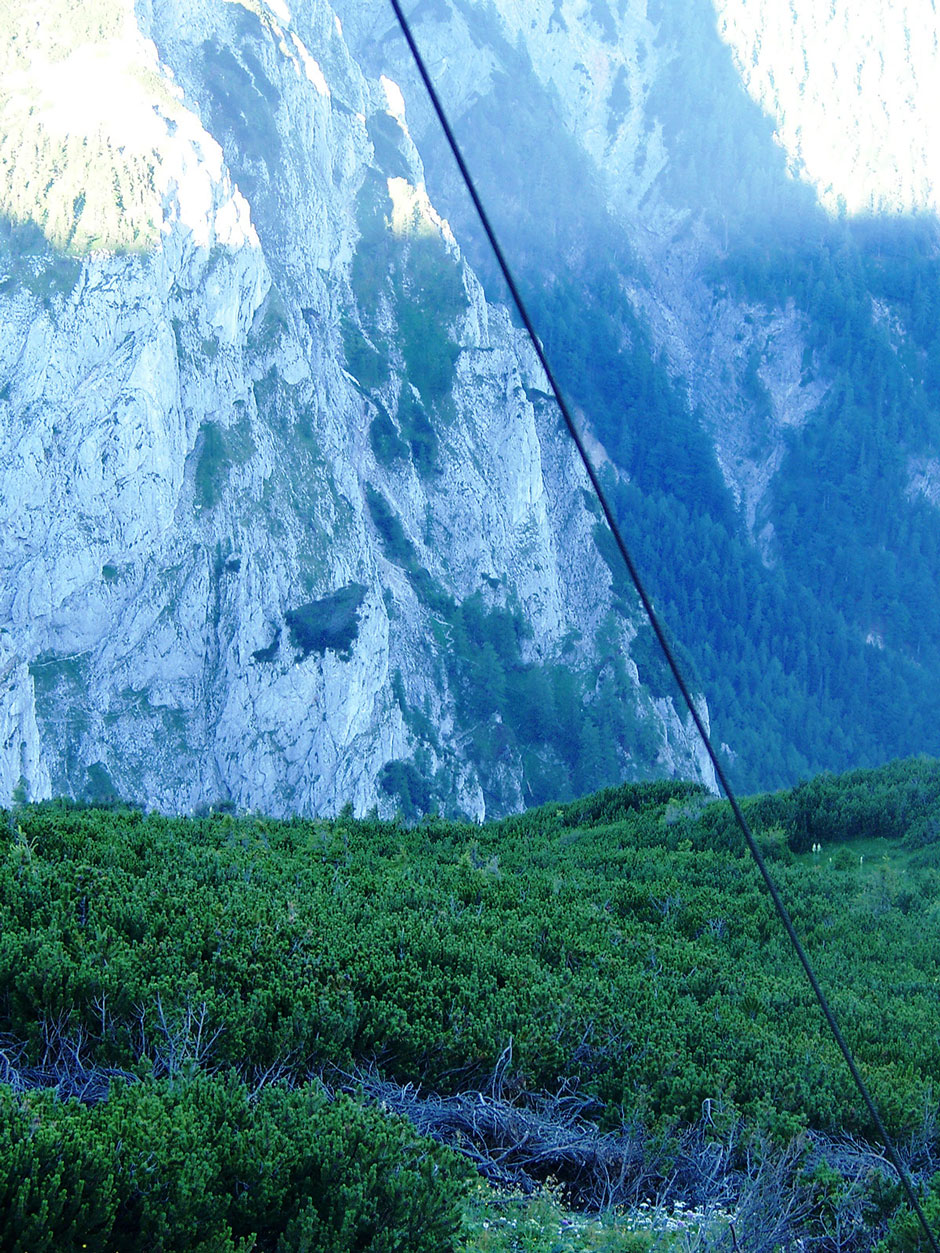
[[603, 75], [653, 102], [264, 444]]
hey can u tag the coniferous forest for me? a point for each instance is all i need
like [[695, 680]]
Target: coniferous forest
[[816, 650], [229, 1032]]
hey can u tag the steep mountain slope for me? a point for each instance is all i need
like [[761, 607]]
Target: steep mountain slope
[[287, 519], [762, 376], [852, 89]]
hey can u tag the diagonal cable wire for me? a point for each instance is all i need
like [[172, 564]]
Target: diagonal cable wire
[[659, 630]]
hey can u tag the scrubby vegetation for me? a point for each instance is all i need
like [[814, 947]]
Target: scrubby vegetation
[[411, 276], [511, 705], [219, 451], [205, 1163], [331, 622], [596, 993]]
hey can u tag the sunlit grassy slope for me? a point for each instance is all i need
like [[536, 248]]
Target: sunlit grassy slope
[[852, 89], [83, 112]]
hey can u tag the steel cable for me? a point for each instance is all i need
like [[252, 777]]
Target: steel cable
[[658, 628]]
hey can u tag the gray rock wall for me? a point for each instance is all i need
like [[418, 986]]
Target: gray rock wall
[[196, 603]]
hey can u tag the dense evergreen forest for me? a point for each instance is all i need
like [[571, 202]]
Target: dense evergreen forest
[[816, 653], [784, 650], [229, 1032]]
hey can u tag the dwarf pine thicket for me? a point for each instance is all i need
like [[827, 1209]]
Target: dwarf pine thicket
[[222, 978]]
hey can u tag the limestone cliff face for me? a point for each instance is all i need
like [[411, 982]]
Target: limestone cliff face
[[654, 95], [261, 435], [614, 79]]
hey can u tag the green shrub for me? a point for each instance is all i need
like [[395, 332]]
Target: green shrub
[[423, 283], [200, 1164], [57, 1183], [402, 780], [387, 138], [366, 364], [418, 431], [399, 549], [384, 439], [332, 622], [431, 298], [213, 465]]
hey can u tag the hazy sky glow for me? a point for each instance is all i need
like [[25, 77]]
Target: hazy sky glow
[[854, 88]]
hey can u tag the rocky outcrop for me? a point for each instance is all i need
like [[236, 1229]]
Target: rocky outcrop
[[260, 438], [611, 79]]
